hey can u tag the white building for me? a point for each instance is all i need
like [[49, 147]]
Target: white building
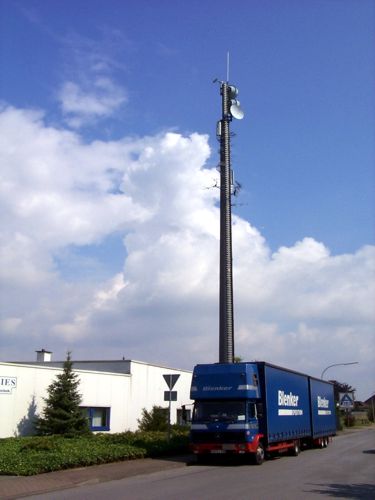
[[113, 392]]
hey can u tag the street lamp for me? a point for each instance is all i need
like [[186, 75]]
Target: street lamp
[[338, 364]]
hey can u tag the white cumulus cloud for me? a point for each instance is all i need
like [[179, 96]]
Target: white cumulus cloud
[[82, 106], [299, 306]]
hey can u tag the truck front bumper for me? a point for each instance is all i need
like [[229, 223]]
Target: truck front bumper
[[230, 448]]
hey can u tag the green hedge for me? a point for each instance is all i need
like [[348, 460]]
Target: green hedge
[[155, 443], [26, 456]]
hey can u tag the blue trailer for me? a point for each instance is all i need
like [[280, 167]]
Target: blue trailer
[[323, 419], [257, 409]]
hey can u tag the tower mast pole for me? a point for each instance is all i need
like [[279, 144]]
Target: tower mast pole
[[226, 323]]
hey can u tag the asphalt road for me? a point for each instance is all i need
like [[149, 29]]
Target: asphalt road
[[346, 469]]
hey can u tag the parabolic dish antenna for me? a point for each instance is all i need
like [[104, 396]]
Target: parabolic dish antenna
[[236, 111]]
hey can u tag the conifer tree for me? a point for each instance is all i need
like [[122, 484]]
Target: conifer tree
[[62, 414]]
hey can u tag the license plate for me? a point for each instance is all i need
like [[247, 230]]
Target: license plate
[[217, 451], [229, 447]]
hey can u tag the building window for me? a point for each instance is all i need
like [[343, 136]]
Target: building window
[[98, 418]]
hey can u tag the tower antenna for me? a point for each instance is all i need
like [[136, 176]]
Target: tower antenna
[[228, 66]]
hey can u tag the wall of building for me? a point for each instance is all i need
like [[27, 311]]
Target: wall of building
[[148, 387], [23, 402], [23, 387]]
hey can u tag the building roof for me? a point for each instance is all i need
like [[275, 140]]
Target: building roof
[[101, 365]]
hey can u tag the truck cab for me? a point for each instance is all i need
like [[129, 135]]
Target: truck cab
[[227, 416]]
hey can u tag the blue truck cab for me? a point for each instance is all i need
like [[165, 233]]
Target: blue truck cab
[[257, 408]]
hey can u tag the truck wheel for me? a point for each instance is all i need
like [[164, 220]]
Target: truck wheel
[[326, 441], [259, 455], [294, 452]]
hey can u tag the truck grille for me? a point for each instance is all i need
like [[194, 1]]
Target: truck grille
[[217, 437]]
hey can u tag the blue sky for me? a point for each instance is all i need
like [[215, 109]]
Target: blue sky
[[108, 80], [305, 71]]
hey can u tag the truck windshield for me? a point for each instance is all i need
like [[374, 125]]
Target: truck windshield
[[219, 411]]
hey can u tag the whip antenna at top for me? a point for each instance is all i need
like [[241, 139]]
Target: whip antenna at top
[[228, 66]]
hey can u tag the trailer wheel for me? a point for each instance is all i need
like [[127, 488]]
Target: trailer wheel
[[326, 441], [259, 455]]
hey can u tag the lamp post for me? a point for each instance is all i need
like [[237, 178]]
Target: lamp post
[[338, 364]]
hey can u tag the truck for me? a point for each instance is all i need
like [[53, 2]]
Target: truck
[[257, 409]]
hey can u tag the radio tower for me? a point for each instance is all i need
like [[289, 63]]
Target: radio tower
[[230, 109]]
